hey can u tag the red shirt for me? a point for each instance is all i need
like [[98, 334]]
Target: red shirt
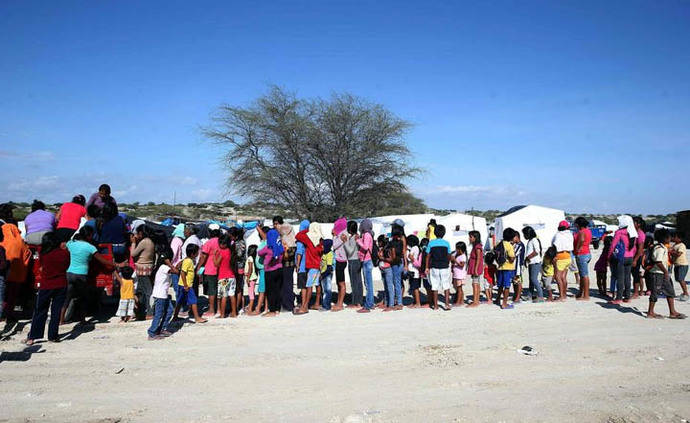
[[585, 235], [490, 273], [70, 216], [54, 269], [224, 269], [313, 254], [476, 258]]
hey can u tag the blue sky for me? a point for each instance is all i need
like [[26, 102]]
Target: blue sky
[[580, 105]]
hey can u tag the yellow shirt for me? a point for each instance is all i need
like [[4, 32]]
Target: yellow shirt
[[510, 253], [188, 271], [326, 260], [127, 289], [682, 259], [430, 230], [547, 267]]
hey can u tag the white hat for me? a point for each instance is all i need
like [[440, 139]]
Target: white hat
[[213, 227]]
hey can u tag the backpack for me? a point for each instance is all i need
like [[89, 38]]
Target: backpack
[[500, 253], [619, 251]]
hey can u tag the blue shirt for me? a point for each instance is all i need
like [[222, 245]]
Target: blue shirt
[[301, 250], [438, 250], [80, 253]]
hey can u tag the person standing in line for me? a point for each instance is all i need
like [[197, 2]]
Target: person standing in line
[[563, 241], [365, 242], [459, 272], [272, 254], [160, 324], [680, 263], [438, 264], [176, 243], [622, 251], [638, 286], [583, 238], [533, 259], [414, 259], [102, 197], [519, 249], [313, 242], [223, 260], [475, 266], [143, 251], [210, 282], [287, 294], [659, 276], [326, 269], [300, 263], [340, 237], [354, 266]]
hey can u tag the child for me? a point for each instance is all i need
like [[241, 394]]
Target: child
[[162, 306], [475, 266], [519, 248], [251, 275], [414, 261], [385, 269], [313, 243], [438, 262], [184, 294], [222, 259], [680, 262], [600, 267], [127, 299], [459, 271], [326, 270], [505, 257], [423, 271], [490, 271], [660, 280], [259, 264], [547, 271]]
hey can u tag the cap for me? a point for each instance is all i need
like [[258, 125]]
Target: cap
[[564, 223], [213, 227]]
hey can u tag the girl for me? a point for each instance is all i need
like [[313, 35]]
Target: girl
[[490, 270], [563, 241], [365, 242], [414, 264], [423, 270], [262, 276], [396, 258], [476, 265], [339, 240], [326, 270], [547, 270], [222, 259], [386, 273], [459, 271], [600, 267], [251, 275], [272, 254], [353, 264]]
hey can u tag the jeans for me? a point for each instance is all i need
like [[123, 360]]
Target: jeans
[[613, 282], [327, 290], [47, 298], [76, 290], [367, 268], [623, 277], [163, 310], [397, 282], [582, 262], [144, 291], [355, 269], [387, 274], [534, 284]]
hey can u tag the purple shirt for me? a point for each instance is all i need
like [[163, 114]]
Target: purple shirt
[[269, 264], [98, 201], [39, 221]]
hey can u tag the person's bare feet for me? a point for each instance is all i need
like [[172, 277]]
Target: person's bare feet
[[654, 316], [385, 309], [315, 307], [363, 310], [337, 308], [200, 320], [635, 296], [269, 314], [413, 306], [352, 306], [398, 307], [472, 305]]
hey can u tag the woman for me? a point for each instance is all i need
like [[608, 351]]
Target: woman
[[143, 251], [102, 197], [563, 242], [17, 255], [81, 251], [69, 217], [339, 239], [365, 243], [354, 266], [533, 258], [287, 294], [397, 246], [583, 238], [112, 229], [38, 223], [621, 253], [272, 254], [54, 262]]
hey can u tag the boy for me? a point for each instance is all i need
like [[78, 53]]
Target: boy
[[680, 262], [659, 277], [162, 304], [183, 292], [438, 258], [125, 310], [505, 257]]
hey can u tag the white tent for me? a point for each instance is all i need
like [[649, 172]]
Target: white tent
[[544, 220], [459, 225]]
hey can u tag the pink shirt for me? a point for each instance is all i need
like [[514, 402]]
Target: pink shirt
[[210, 248], [365, 243], [224, 270], [269, 264], [622, 234], [176, 247], [339, 249]]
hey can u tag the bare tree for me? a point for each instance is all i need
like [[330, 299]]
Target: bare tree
[[318, 158]]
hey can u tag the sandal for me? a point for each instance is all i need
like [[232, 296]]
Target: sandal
[[508, 307], [679, 316]]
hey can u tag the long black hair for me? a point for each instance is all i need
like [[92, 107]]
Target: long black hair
[[477, 237], [49, 242], [85, 234], [530, 234], [352, 227]]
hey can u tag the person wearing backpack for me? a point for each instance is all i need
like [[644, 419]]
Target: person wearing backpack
[[533, 259], [368, 256], [623, 249], [563, 241], [505, 258], [414, 263], [659, 276]]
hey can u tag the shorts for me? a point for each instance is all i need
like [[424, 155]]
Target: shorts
[[583, 264], [415, 283], [439, 279], [562, 264], [484, 283], [546, 281], [185, 297], [680, 272], [313, 277], [126, 308], [211, 285], [302, 280], [226, 287], [660, 285], [340, 271], [504, 278]]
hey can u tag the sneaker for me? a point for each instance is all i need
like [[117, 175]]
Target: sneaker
[[684, 298]]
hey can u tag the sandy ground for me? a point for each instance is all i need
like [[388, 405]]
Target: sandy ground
[[594, 363]]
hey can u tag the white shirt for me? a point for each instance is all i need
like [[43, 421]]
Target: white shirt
[[162, 282], [563, 241], [193, 239], [533, 246], [414, 272]]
